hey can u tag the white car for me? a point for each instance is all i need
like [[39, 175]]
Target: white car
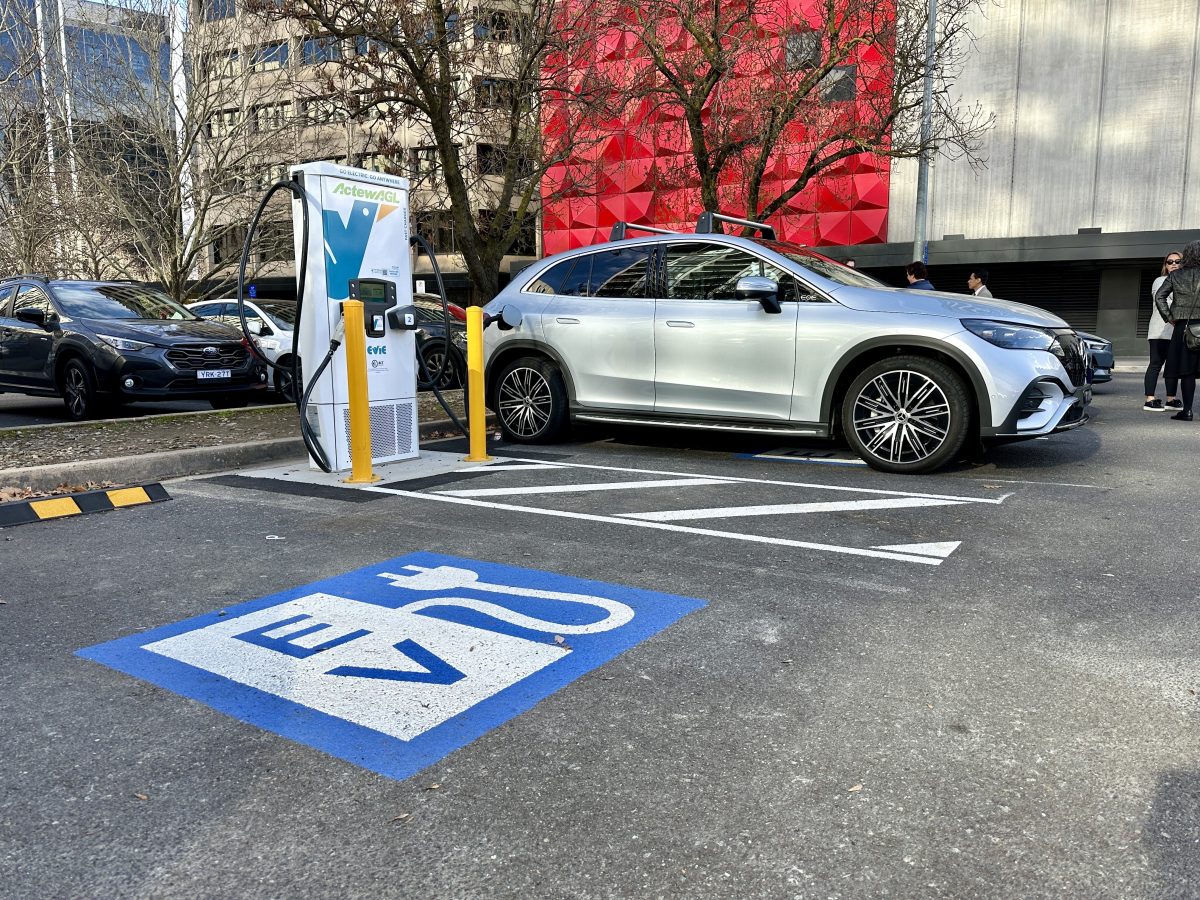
[[272, 322]]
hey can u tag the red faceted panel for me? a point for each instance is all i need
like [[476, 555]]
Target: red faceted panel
[[637, 167]]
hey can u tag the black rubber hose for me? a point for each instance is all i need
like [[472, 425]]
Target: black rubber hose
[[306, 431], [437, 275]]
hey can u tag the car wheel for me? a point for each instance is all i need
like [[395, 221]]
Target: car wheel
[[531, 401], [907, 414], [285, 384], [229, 402], [79, 390], [432, 357]]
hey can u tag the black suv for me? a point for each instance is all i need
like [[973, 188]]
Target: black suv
[[98, 342]]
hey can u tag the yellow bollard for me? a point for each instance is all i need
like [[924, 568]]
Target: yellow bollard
[[476, 414], [356, 384]]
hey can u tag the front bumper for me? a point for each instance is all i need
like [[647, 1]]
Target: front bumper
[[152, 377], [1045, 407]]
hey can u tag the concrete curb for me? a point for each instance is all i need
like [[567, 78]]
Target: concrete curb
[[153, 467]]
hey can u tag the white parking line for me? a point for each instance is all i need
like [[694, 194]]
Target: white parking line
[[582, 488], [786, 509], [662, 526]]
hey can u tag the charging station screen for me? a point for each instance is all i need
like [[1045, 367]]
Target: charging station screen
[[372, 290]]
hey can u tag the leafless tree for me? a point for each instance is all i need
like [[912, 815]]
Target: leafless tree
[[453, 95], [767, 96]]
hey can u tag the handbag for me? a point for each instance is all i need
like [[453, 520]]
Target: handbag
[[1191, 334]]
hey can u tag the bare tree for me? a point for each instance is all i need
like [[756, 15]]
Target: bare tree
[[767, 96], [454, 96]]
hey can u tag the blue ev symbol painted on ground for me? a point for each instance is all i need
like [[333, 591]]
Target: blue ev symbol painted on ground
[[393, 666]]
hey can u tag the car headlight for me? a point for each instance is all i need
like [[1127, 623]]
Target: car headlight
[[123, 344], [1011, 336], [268, 344], [1096, 346]]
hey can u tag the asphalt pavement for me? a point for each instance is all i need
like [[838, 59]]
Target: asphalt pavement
[[20, 410], [980, 683]]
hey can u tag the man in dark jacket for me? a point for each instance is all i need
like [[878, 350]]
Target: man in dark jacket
[[1183, 287], [918, 276]]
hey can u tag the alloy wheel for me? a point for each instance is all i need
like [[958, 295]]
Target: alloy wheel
[[76, 390], [902, 416], [525, 402]]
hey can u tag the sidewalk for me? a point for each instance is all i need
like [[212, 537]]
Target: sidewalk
[[1131, 364]]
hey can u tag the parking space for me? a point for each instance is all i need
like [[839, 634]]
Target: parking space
[[978, 683]]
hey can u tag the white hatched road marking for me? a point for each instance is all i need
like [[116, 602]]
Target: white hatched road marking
[[582, 488], [786, 509]]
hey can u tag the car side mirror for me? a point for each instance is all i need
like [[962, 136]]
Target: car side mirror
[[257, 327], [32, 315], [764, 290]]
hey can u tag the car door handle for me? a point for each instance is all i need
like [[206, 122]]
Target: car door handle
[[680, 323], [564, 320]]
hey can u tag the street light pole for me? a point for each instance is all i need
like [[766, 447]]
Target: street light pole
[[922, 217]]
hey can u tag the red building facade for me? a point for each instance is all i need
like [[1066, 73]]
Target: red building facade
[[637, 166]]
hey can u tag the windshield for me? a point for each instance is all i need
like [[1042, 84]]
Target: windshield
[[118, 301], [281, 312], [822, 265]]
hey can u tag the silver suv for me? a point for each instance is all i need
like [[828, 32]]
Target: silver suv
[[754, 335]]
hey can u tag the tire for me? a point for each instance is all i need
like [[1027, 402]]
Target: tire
[[229, 402], [284, 385], [432, 355], [531, 401], [883, 426], [79, 390]]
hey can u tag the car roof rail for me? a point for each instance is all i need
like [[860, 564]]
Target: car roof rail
[[32, 276], [619, 230], [707, 224]]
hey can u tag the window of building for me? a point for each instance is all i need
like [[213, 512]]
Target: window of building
[[319, 110], [226, 64], [437, 227], [314, 51], [379, 162], [802, 50], [495, 93], [840, 84], [274, 243], [272, 116], [271, 175], [422, 160], [227, 244], [223, 123], [269, 57], [498, 25], [366, 46], [491, 160], [212, 10]]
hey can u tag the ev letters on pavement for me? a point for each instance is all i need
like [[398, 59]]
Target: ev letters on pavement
[[395, 665]]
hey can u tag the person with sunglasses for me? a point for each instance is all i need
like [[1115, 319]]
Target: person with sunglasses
[[1159, 336], [1183, 285]]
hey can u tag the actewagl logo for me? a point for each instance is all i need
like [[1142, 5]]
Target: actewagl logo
[[383, 195]]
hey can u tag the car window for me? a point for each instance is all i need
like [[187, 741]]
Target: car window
[[552, 280], [280, 312], [209, 309], [118, 301], [32, 298], [712, 271], [822, 265], [6, 294], [620, 273]]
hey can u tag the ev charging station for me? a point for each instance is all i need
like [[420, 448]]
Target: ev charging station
[[358, 249]]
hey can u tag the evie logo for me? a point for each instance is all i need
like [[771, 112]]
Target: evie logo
[[377, 350], [393, 666]]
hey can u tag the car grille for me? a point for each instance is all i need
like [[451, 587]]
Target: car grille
[[1072, 355], [191, 357]]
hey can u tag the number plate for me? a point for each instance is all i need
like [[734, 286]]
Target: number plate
[[214, 373]]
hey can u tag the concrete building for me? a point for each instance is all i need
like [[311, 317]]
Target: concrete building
[[1092, 169]]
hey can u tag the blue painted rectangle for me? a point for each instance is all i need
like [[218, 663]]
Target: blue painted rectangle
[[393, 666]]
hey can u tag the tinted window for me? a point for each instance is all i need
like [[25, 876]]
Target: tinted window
[[620, 273], [711, 272], [118, 301], [550, 281], [5, 295], [210, 309], [32, 298], [282, 312], [822, 265], [576, 284]]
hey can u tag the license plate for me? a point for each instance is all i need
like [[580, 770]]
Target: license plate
[[214, 373]]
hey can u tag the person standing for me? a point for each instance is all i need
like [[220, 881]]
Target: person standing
[[977, 282], [1182, 361], [1159, 336], [918, 276]]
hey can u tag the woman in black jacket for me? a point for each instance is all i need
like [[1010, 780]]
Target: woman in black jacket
[[1183, 286]]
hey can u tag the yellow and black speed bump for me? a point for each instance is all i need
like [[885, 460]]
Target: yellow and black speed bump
[[66, 505]]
